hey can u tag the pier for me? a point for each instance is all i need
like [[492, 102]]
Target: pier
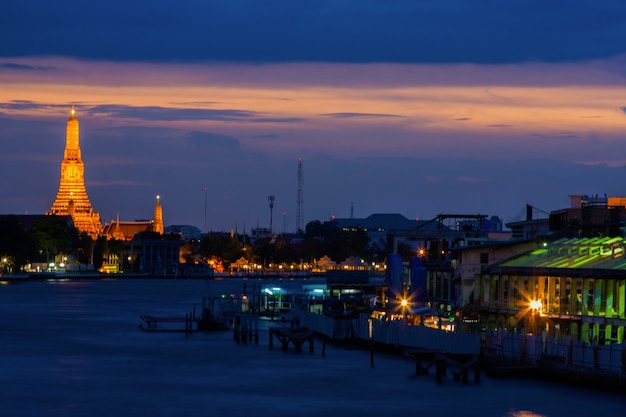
[[458, 365], [296, 336], [168, 324]]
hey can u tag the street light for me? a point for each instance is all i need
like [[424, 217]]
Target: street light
[[404, 303], [535, 307]]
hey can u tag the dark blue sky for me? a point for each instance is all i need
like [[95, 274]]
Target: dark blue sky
[[363, 31]]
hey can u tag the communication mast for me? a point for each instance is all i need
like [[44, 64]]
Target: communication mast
[[300, 200]]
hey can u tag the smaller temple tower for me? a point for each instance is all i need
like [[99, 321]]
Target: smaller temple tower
[[157, 225]]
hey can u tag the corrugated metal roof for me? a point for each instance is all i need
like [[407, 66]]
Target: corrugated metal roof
[[606, 253]]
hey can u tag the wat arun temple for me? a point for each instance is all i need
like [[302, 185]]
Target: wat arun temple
[[72, 198]]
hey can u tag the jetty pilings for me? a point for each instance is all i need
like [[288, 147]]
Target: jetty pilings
[[296, 336]]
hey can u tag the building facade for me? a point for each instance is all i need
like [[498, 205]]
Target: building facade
[[569, 288]]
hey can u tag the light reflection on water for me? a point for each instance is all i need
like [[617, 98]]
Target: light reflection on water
[[75, 349], [523, 413]]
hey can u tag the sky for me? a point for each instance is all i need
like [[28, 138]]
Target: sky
[[411, 107]]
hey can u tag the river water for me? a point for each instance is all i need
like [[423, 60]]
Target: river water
[[74, 348]]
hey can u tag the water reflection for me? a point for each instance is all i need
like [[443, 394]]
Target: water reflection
[[523, 413]]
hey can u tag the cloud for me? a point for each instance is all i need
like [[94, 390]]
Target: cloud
[[212, 142], [117, 183], [21, 105], [21, 67], [266, 136], [619, 163], [472, 179], [277, 120], [157, 113], [556, 137], [358, 115]]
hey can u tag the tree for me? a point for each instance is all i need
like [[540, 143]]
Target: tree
[[15, 242], [223, 247], [326, 239], [53, 236]]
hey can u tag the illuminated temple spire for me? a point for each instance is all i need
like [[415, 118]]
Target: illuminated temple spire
[[157, 225], [72, 196]]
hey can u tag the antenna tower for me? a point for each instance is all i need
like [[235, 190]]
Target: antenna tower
[[300, 200]]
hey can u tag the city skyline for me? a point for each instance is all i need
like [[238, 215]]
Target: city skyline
[[470, 108]]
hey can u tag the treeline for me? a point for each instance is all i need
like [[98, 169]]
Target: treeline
[[39, 239], [318, 239]]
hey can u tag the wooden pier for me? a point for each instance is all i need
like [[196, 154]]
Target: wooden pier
[[459, 365], [168, 324], [246, 327], [295, 336]]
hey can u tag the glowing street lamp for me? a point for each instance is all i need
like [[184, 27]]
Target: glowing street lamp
[[535, 307], [404, 303]]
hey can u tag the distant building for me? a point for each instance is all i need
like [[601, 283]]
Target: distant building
[[188, 232], [72, 196], [531, 228], [590, 217], [378, 226], [125, 230], [154, 253]]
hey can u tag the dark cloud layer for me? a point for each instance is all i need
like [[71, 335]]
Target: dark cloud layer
[[358, 115], [155, 113], [308, 30]]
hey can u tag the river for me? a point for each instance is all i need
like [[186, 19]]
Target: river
[[74, 348]]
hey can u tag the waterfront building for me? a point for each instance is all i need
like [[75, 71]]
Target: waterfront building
[[574, 288], [466, 263], [72, 198], [154, 253]]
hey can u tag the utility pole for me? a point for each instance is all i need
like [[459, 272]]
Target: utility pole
[[205, 204], [271, 200], [299, 200]]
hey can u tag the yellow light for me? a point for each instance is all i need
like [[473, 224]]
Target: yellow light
[[535, 305], [404, 303]]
